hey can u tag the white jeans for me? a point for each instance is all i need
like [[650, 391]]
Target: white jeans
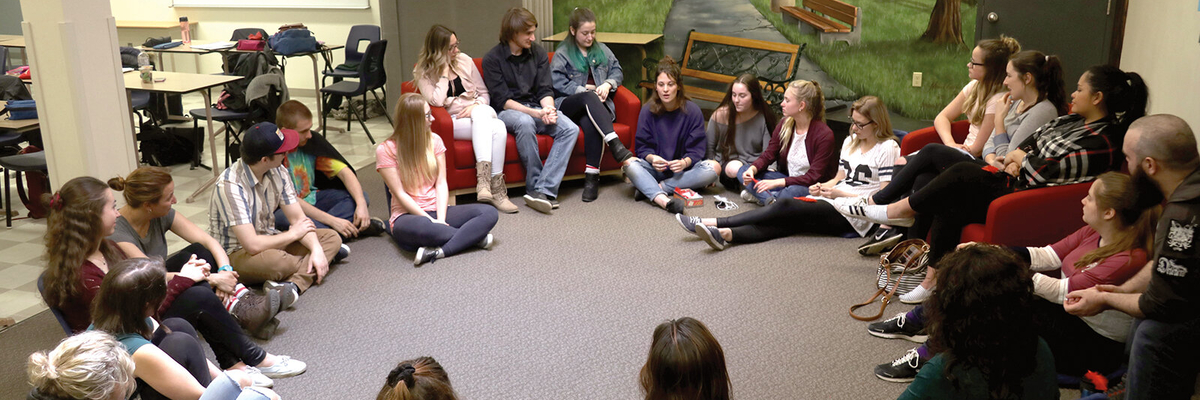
[[486, 133]]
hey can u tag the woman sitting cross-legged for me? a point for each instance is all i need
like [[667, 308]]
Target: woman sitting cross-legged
[[1110, 249], [169, 362], [739, 129], [413, 164], [421, 378], [670, 143], [866, 165], [82, 213], [685, 362], [801, 149]]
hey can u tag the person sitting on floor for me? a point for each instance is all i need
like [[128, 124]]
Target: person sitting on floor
[[421, 378], [326, 184], [801, 149], [448, 78], [670, 143], [1110, 249], [866, 165], [169, 361], [82, 213], [87, 366], [241, 216], [413, 165], [739, 129], [997, 357], [685, 362], [586, 75]]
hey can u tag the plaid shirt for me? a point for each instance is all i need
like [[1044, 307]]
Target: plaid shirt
[[1068, 150], [239, 198]]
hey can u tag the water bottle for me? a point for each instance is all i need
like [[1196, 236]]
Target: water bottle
[[187, 30], [144, 68], [143, 59]]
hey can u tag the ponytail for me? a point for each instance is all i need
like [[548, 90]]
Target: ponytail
[[1125, 94], [1050, 84]]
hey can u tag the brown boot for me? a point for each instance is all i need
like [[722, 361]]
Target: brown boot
[[500, 195], [256, 313], [483, 172]]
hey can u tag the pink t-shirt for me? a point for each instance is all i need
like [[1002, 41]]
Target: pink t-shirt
[[426, 196], [1114, 270], [992, 104]]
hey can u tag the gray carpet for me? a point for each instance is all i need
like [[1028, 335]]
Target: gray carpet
[[563, 307]]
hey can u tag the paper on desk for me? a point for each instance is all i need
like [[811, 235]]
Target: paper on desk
[[214, 46]]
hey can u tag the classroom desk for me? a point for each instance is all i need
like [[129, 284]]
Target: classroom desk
[[152, 24], [15, 42], [180, 83], [19, 125], [640, 40]]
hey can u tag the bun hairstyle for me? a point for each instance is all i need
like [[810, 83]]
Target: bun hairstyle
[[685, 362], [72, 233], [1125, 94], [995, 58], [91, 365], [417, 379], [668, 66], [1047, 76], [143, 185]]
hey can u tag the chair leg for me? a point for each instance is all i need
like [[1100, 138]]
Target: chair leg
[[196, 146], [7, 201], [325, 119], [363, 120], [383, 106]]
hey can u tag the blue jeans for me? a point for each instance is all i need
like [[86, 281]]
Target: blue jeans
[[335, 202], [224, 388], [651, 182], [1162, 359], [541, 178], [765, 197]]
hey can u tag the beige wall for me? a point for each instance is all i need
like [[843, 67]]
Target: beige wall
[[1162, 43], [216, 24]]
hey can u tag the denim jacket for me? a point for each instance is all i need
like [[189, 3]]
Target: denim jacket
[[568, 80]]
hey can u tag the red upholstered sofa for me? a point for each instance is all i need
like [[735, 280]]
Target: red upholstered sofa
[[1035, 217], [460, 158]]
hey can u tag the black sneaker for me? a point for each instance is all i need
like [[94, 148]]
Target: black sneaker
[[897, 328], [712, 236], [591, 187], [688, 223], [375, 228], [619, 152], [904, 369], [343, 252], [427, 255], [883, 240], [675, 205], [538, 202]]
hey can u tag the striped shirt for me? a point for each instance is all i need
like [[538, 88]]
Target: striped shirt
[[1068, 150], [239, 198]]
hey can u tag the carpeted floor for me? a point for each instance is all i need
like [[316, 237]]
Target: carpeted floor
[[563, 307]]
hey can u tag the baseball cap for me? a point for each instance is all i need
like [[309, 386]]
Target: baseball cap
[[265, 139]]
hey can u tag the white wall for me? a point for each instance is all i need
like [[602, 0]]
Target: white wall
[[1162, 43], [216, 24]]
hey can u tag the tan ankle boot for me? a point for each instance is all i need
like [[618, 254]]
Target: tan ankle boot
[[483, 173], [500, 195]]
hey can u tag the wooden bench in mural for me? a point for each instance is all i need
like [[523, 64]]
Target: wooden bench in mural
[[831, 20], [710, 62]]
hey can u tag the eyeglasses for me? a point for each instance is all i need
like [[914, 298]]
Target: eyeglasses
[[454, 46], [429, 116], [972, 63], [857, 125], [724, 204]]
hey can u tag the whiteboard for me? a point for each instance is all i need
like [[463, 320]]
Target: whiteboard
[[351, 4]]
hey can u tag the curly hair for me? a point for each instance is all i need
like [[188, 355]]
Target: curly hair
[[73, 230], [980, 317]]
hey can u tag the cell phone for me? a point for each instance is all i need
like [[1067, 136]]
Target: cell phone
[[160, 80]]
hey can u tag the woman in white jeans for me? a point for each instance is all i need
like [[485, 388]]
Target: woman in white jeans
[[448, 78]]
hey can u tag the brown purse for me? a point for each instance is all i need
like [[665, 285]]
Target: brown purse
[[899, 271]]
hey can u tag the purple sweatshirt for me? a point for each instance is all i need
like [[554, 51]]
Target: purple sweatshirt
[[672, 135]]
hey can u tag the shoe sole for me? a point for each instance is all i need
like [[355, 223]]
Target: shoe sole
[[281, 287], [266, 331], [542, 206], [704, 234], [679, 218], [285, 375], [876, 248], [912, 338], [896, 380]]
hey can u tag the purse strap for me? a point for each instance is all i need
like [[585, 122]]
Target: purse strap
[[887, 297], [907, 254]]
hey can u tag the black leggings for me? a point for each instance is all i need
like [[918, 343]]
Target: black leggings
[[201, 308], [593, 117], [176, 261], [177, 338], [1076, 346], [921, 168], [786, 217], [958, 197], [466, 226]]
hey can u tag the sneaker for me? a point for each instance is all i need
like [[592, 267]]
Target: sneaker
[[688, 223], [257, 379], [539, 203], [256, 313], [916, 296], [748, 197], [857, 207], [553, 203], [288, 293], [895, 328], [712, 236], [375, 228], [342, 253], [882, 241], [427, 255], [675, 205], [904, 369], [487, 242], [1117, 391], [284, 368]]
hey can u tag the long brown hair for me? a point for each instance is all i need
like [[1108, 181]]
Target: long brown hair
[[1047, 74], [133, 289], [874, 109], [726, 144], [417, 379], [415, 160], [810, 93], [1118, 192], [72, 233], [143, 185], [685, 362], [668, 66], [995, 59], [432, 59]]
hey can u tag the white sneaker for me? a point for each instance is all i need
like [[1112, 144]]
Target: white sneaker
[[748, 197], [857, 207], [487, 242], [257, 379], [284, 368], [917, 296]]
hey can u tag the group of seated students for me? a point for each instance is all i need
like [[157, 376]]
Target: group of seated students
[[1000, 321]]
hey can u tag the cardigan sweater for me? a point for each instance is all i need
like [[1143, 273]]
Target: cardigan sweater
[[821, 155]]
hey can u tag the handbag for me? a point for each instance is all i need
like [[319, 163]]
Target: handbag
[[900, 271], [155, 41], [21, 109], [251, 44]]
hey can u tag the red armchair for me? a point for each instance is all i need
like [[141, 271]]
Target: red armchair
[[460, 158], [1034, 217]]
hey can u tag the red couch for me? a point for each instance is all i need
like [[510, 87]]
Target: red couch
[[1035, 217], [460, 158]]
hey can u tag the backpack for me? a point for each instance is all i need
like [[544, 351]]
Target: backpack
[[248, 66], [293, 41], [36, 185], [163, 149]]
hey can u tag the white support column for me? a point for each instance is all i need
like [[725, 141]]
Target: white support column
[[82, 106]]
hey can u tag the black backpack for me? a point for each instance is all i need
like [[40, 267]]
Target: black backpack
[[248, 66], [161, 148]]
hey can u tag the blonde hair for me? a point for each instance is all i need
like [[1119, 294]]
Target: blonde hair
[[874, 109], [995, 61], [432, 59], [91, 365], [415, 160], [810, 93]]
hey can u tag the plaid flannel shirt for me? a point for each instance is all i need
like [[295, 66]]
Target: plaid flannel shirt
[[1068, 150]]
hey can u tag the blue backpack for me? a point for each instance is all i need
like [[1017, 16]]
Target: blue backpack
[[293, 41]]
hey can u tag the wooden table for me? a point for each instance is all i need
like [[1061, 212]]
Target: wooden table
[[152, 24], [640, 40], [19, 125], [180, 83], [15, 42]]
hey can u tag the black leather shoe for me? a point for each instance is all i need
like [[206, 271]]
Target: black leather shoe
[[591, 187]]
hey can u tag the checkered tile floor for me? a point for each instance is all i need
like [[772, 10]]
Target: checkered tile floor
[[21, 247]]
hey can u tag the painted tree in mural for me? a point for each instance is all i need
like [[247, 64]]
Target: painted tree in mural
[[945, 24]]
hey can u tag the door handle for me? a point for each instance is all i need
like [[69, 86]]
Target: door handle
[[993, 17]]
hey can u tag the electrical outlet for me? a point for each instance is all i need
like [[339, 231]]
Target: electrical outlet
[[916, 79]]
